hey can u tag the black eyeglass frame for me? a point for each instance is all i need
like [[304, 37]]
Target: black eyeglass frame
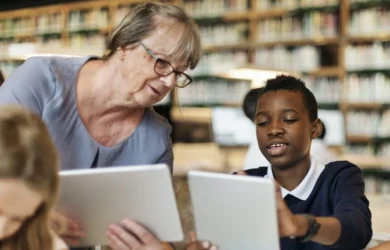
[[158, 59]]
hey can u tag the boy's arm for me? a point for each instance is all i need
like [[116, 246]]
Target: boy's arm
[[351, 210], [328, 233], [349, 228]]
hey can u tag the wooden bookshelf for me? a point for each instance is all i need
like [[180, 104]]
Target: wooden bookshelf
[[362, 106], [272, 13], [326, 71], [216, 48], [300, 42], [371, 38], [358, 139], [367, 162]]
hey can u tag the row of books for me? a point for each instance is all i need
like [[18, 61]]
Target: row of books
[[293, 4], [207, 8], [371, 21], [377, 183], [382, 150], [304, 58], [359, 1], [371, 88], [309, 25], [92, 42], [368, 56], [53, 23], [223, 34], [327, 90], [220, 62], [368, 123], [214, 92], [87, 20], [120, 13], [17, 27], [360, 149], [49, 23]]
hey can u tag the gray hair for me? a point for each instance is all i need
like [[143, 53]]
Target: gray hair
[[139, 23]]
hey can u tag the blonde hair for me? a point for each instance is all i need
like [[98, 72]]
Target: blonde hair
[[139, 23], [27, 153]]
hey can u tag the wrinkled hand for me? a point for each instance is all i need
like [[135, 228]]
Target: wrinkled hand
[[69, 230], [194, 244], [129, 235], [289, 224]]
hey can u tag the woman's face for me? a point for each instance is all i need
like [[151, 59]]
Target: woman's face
[[143, 85], [17, 203]]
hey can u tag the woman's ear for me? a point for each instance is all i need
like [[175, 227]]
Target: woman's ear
[[316, 129]]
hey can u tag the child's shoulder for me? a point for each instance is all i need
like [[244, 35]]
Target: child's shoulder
[[341, 166], [260, 171], [341, 173]]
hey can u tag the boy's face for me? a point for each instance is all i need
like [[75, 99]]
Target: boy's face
[[284, 130]]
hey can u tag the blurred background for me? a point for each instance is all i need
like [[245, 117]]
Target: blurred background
[[340, 48]]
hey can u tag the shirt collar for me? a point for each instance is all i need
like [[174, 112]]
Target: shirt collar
[[304, 189]]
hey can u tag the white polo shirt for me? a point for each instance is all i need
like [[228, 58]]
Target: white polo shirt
[[304, 189]]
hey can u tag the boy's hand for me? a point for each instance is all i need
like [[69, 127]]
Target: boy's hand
[[241, 172], [289, 223], [194, 244]]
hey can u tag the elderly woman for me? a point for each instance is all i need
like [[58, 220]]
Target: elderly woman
[[98, 110]]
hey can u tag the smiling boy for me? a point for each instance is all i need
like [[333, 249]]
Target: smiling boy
[[319, 207]]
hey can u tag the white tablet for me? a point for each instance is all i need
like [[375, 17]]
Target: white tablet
[[234, 212], [99, 197]]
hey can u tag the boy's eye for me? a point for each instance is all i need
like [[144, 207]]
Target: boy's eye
[[290, 121], [262, 123]]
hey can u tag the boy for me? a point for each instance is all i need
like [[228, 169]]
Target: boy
[[255, 158], [318, 207]]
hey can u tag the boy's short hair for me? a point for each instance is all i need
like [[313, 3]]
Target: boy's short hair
[[290, 83], [250, 102]]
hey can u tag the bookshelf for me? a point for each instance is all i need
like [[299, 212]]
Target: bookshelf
[[339, 47]]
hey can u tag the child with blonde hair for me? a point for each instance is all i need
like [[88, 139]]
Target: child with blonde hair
[[28, 182]]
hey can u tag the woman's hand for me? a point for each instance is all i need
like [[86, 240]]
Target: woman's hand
[[129, 235], [69, 230], [194, 244]]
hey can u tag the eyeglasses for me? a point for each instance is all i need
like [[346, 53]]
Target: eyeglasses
[[164, 68]]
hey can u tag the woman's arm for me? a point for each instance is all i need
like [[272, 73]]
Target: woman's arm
[[30, 85]]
